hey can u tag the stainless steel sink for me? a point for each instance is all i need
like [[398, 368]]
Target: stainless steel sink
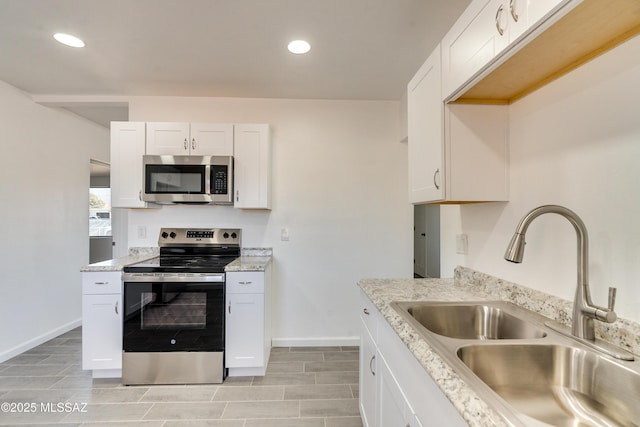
[[557, 384], [526, 371], [483, 321]]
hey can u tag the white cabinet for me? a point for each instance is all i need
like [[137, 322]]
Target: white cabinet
[[395, 390], [474, 40], [484, 31], [248, 322], [457, 153], [523, 14], [127, 149], [367, 380], [393, 407], [252, 170], [189, 139], [425, 120], [102, 323]]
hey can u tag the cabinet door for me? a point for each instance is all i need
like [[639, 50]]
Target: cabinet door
[[367, 383], [476, 38], [102, 331], [211, 139], [523, 14], [393, 408], [425, 121], [127, 149], [168, 138], [252, 172], [244, 331]]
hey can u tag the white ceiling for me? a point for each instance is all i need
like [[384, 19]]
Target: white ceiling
[[361, 49]]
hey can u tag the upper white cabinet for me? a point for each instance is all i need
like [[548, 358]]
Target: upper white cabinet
[[476, 38], [425, 121], [523, 14], [252, 166], [189, 139], [457, 153], [501, 50], [127, 149], [482, 32]]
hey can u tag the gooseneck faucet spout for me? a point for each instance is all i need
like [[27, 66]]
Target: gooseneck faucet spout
[[584, 311]]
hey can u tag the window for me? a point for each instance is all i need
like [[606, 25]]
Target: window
[[99, 212]]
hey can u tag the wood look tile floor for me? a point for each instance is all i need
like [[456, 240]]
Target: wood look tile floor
[[304, 387]]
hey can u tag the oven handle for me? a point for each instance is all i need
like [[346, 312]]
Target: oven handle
[[174, 277]]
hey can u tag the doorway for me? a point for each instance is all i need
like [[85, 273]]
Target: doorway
[[100, 235], [426, 241]]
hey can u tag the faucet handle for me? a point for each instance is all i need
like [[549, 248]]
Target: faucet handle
[[612, 298]]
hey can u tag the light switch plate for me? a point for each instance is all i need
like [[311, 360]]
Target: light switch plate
[[462, 244]]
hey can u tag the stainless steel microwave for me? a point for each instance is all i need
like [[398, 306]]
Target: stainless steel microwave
[[188, 179]]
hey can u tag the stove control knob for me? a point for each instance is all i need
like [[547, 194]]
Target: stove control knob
[[172, 235], [225, 235], [234, 236], [164, 235]]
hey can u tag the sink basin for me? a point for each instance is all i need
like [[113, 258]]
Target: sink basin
[[483, 321], [558, 385]]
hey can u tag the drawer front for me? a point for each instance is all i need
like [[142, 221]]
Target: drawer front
[[245, 282], [369, 315], [96, 283]]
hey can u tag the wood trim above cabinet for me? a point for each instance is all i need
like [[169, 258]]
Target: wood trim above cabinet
[[590, 29]]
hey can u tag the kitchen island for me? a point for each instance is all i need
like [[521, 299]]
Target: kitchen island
[[469, 285]]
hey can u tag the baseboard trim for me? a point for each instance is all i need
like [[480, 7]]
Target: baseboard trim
[[316, 342], [28, 345]]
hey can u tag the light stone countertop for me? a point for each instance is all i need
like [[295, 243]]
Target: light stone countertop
[[470, 285], [251, 259], [248, 263]]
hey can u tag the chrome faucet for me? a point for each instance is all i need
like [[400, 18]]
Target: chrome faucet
[[584, 311]]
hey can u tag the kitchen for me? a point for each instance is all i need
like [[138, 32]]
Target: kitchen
[[569, 140]]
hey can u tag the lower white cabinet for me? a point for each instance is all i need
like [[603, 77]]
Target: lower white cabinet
[[395, 390], [248, 322], [102, 323]]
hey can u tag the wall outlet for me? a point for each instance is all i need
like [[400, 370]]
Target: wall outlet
[[284, 234], [142, 232], [462, 244]]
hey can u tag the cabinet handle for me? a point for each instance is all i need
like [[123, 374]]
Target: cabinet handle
[[365, 311], [512, 9], [100, 283], [373, 358], [436, 174], [229, 306], [140, 195], [237, 195], [186, 145], [498, 16], [193, 143], [244, 283], [116, 307]]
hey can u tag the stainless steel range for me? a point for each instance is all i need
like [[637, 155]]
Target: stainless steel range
[[173, 331]]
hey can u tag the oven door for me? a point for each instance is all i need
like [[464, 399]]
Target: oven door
[[162, 314]]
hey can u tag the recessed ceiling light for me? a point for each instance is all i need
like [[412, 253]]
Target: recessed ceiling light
[[68, 40], [299, 47]]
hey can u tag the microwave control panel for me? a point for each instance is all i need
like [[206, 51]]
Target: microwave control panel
[[219, 179]]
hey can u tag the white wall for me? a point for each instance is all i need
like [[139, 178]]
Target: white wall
[[339, 186], [44, 186], [575, 142]]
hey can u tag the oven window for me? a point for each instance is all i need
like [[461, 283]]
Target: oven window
[[184, 310], [175, 179]]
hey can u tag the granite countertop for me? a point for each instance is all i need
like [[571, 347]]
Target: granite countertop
[[470, 285], [248, 263], [251, 259]]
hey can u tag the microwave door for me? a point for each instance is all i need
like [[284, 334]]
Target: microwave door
[[175, 180]]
